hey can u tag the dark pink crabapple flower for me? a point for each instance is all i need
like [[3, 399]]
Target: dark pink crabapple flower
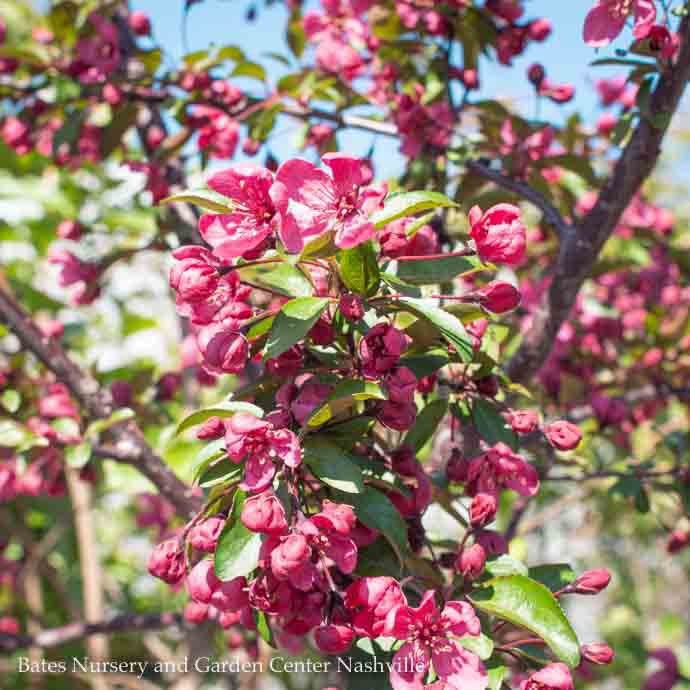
[[167, 562], [591, 582], [264, 513], [563, 435], [499, 234], [98, 55], [598, 653], [311, 202], [371, 599], [204, 535], [552, 677], [606, 20], [668, 675], [523, 421], [501, 468], [429, 641], [470, 563], [253, 219], [262, 445]]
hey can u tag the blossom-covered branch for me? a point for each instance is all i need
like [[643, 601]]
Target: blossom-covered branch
[[126, 436], [579, 253]]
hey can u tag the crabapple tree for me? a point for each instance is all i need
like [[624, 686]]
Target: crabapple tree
[[351, 414]]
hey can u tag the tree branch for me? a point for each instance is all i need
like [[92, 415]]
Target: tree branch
[[55, 637], [128, 442], [580, 251]]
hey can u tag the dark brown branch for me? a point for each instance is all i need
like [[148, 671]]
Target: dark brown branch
[[55, 637], [550, 212], [127, 440], [580, 251]]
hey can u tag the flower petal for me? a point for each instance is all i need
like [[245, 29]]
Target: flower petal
[[601, 27], [459, 668], [409, 668]]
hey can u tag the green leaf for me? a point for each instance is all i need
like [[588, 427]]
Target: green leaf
[[426, 424], [407, 204], [263, 627], [224, 409], [481, 645], [491, 425], [250, 69], [220, 472], [204, 198], [333, 466], [292, 324], [433, 271], [426, 363], [77, 456], [505, 565], [286, 279], [496, 674], [554, 576], [11, 400], [448, 325], [375, 510], [530, 605], [344, 395], [237, 553], [359, 269], [100, 425]]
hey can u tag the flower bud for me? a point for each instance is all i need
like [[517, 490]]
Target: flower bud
[[524, 421], [457, 467], [213, 428], [264, 513], [351, 307], [563, 435], [499, 297], [598, 653], [139, 23], [483, 510], [488, 386], [591, 581], [470, 562], [679, 540], [69, 230], [290, 556], [334, 639], [166, 561], [536, 74], [204, 535], [202, 581], [539, 29]]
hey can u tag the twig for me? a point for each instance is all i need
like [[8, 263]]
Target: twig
[[55, 637]]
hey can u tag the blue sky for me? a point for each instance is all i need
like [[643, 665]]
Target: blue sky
[[223, 22]]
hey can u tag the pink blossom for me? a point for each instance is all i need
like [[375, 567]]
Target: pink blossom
[[607, 19], [552, 677], [429, 640], [261, 444], [498, 468], [253, 220], [499, 297], [524, 421], [420, 124], [470, 563], [499, 234], [140, 23], [381, 348], [99, 55], [563, 435], [223, 348], [372, 599], [311, 202], [204, 535], [395, 241], [334, 638], [56, 402], [167, 561], [219, 133], [264, 513]]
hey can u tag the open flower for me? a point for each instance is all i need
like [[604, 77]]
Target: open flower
[[311, 202], [261, 444], [253, 219], [428, 634], [607, 18]]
